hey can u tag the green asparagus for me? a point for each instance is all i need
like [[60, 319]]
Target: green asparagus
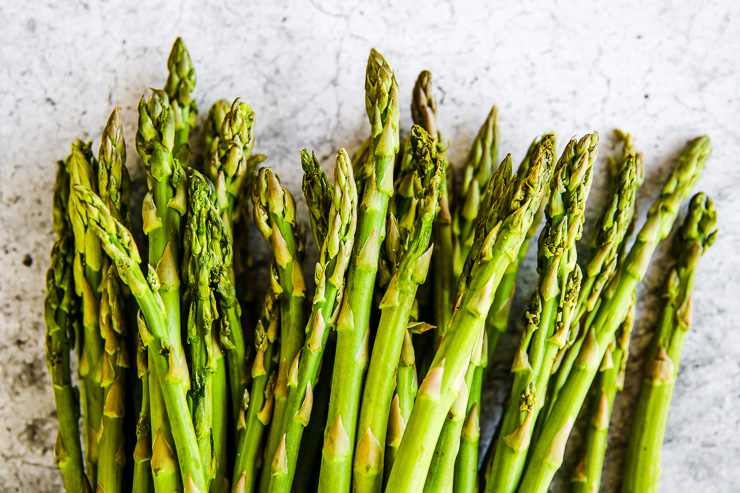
[[549, 312], [88, 277], [642, 468], [413, 257], [326, 308], [63, 320], [171, 372], [381, 104], [587, 477], [164, 206], [114, 188], [274, 216], [497, 320], [547, 454], [607, 245], [179, 86], [424, 114], [260, 399], [508, 211]]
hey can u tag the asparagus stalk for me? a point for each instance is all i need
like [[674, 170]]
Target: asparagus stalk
[[547, 454], [477, 171], [229, 167], [547, 319], [442, 468], [407, 385], [172, 373], [319, 195], [587, 477], [142, 476], [509, 206], [222, 459], [424, 114], [412, 267], [239, 131], [610, 238], [274, 215], [466, 465], [115, 363], [207, 248], [309, 456], [260, 401], [407, 382], [333, 261], [381, 103], [114, 187], [88, 276], [179, 86], [642, 469], [61, 313], [114, 183], [164, 205], [498, 316], [231, 170]]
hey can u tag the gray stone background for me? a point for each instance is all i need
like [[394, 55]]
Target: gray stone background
[[664, 71]]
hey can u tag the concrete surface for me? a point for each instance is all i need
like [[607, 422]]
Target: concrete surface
[[664, 71]]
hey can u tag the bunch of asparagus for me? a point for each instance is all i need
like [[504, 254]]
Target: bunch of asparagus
[[187, 382]]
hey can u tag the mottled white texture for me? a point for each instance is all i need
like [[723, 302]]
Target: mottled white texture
[[664, 71]]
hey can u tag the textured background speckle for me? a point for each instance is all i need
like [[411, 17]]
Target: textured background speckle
[[664, 71]]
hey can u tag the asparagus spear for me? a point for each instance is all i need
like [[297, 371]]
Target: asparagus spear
[[115, 363], [547, 454], [587, 477], [498, 316], [413, 257], [114, 186], [164, 205], [309, 456], [179, 86], [610, 238], [424, 114], [274, 215], [221, 417], [260, 401], [207, 249], [406, 387], [229, 164], [61, 313], [477, 171], [642, 469], [381, 103], [442, 467], [402, 214], [319, 196], [547, 319], [88, 276], [171, 371], [407, 382], [231, 170], [333, 261], [442, 470], [142, 475], [466, 465], [509, 206], [318, 192], [114, 183]]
